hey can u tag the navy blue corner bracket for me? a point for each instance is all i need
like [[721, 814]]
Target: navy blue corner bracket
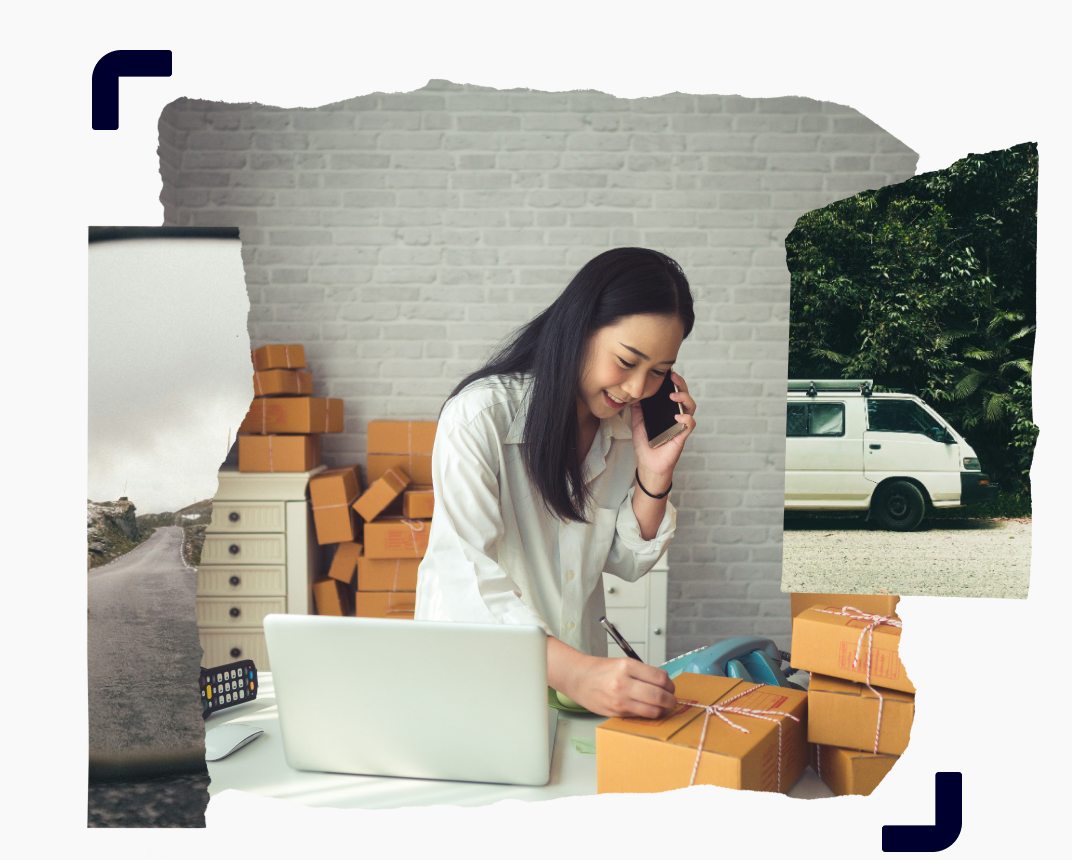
[[122, 64], [948, 796]]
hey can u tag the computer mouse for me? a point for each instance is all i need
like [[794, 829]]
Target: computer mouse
[[221, 741]]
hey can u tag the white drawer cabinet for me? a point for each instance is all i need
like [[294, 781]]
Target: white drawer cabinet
[[638, 611], [260, 556]]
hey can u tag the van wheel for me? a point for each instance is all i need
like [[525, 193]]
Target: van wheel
[[899, 506]]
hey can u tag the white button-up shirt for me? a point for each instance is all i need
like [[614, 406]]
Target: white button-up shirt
[[495, 554]]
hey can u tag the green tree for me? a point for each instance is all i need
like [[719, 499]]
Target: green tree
[[929, 287]]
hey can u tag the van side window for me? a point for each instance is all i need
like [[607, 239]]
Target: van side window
[[815, 419], [898, 416], [796, 419]]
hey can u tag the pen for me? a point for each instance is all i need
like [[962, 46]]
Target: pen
[[618, 640]]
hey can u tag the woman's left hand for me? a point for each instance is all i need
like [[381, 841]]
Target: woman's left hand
[[660, 462]]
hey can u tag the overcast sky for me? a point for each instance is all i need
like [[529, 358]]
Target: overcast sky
[[169, 367]]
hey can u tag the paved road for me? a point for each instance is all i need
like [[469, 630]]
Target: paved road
[[144, 656], [946, 558]]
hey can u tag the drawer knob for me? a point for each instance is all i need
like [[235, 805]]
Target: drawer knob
[[233, 549], [236, 652], [611, 590], [234, 516], [235, 611], [658, 631], [235, 581]]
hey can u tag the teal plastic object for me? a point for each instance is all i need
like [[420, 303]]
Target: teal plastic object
[[748, 658]]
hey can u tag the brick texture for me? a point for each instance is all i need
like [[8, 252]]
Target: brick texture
[[400, 236]]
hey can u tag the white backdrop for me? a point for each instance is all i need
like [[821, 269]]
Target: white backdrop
[[945, 82]]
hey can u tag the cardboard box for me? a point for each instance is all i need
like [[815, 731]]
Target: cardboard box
[[845, 714], [827, 643], [873, 604], [387, 574], [270, 383], [850, 771], [344, 564], [278, 453], [401, 437], [330, 494], [417, 466], [293, 415], [418, 503], [395, 537], [331, 596], [381, 493], [335, 419], [637, 755], [278, 355], [385, 604]]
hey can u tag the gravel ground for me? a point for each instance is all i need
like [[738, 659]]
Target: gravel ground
[[945, 558], [167, 801]]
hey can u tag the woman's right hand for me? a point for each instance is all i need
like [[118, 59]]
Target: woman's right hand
[[610, 686]]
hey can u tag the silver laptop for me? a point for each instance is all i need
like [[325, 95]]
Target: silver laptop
[[389, 697]]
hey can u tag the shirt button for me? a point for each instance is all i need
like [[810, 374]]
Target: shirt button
[[569, 626], [569, 575]]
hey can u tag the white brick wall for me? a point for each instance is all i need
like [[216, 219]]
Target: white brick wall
[[399, 236]]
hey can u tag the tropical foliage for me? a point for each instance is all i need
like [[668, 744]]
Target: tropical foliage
[[928, 287]]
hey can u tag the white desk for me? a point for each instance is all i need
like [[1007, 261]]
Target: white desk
[[259, 768]]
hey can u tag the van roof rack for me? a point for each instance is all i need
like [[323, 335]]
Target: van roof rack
[[811, 387]]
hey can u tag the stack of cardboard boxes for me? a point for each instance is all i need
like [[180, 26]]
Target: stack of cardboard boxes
[[331, 494], [281, 431], [397, 509], [381, 532], [738, 734], [860, 700]]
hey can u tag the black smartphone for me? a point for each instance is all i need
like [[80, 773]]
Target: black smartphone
[[659, 413]]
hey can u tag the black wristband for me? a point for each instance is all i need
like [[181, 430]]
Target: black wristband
[[660, 496]]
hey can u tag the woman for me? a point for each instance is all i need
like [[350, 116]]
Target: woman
[[544, 477]]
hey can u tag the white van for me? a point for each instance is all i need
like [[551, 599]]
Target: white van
[[850, 448]]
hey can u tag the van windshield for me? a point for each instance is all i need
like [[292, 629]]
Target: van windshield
[[899, 416]]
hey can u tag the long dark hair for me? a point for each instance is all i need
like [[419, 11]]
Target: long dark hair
[[551, 347]]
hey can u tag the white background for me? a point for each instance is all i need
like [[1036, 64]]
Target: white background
[[992, 675]]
